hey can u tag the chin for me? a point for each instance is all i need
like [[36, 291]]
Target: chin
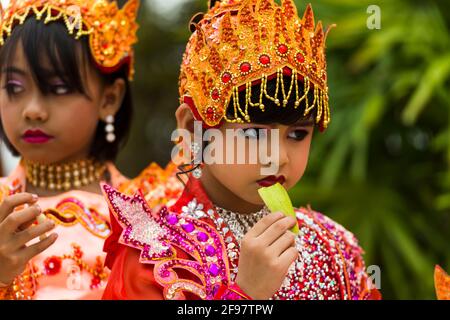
[[255, 200], [39, 156]]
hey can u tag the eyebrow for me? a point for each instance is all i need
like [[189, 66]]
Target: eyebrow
[[45, 72], [14, 70], [303, 123]]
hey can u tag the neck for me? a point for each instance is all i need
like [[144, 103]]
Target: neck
[[222, 197]]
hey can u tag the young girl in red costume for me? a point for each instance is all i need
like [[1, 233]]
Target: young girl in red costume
[[254, 68], [66, 107]]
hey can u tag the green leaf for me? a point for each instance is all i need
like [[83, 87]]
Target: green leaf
[[437, 72]]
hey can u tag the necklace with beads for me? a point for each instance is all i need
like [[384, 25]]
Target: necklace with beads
[[233, 226], [238, 223], [64, 176]]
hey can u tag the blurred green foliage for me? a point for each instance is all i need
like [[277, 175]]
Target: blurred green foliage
[[382, 168]]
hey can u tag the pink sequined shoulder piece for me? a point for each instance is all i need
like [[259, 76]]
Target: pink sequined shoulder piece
[[159, 236]]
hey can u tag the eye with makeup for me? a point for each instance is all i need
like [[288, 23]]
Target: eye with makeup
[[254, 133], [14, 87], [298, 134], [59, 87]]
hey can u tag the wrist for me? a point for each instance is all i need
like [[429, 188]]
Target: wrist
[[232, 292], [248, 289]]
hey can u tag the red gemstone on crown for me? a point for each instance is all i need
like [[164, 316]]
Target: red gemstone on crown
[[226, 77], [210, 112], [245, 67], [264, 59], [300, 57], [283, 49], [215, 94]]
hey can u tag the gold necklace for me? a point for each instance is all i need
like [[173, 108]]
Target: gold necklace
[[64, 176]]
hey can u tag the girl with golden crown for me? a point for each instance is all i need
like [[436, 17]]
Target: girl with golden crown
[[252, 67], [66, 107]]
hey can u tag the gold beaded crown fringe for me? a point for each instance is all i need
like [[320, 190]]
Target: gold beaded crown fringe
[[238, 42], [111, 31]]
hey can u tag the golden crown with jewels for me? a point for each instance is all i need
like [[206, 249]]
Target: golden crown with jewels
[[238, 43], [111, 31]]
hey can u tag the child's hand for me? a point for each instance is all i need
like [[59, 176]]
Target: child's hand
[[267, 252], [16, 232]]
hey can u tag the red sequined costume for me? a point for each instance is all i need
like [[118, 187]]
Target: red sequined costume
[[189, 251]]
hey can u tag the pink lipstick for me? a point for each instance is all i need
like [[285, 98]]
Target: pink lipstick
[[36, 137]]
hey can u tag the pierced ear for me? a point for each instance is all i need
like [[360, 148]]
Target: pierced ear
[[185, 117], [112, 98]]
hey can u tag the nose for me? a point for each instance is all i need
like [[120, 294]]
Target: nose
[[283, 157], [35, 110], [279, 153]]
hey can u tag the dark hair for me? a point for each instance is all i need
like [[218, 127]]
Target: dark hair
[[53, 42], [211, 3], [272, 112]]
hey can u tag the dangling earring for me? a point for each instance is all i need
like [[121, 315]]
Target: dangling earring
[[196, 150], [109, 128], [194, 163]]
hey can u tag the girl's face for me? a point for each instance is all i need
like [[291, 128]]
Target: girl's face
[[244, 180], [235, 186], [56, 127]]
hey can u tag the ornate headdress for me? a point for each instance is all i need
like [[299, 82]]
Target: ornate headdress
[[238, 43], [111, 31]]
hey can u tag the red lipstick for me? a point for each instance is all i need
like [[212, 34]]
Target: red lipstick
[[271, 180], [36, 137]]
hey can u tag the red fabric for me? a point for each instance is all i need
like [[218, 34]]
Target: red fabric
[[193, 188], [112, 245], [131, 279], [232, 292]]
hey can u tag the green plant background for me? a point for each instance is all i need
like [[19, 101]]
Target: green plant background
[[382, 168]]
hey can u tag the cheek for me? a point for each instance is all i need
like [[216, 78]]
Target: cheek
[[236, 177], [10, 117], [298, 161], [83, 114], [76, 121]]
